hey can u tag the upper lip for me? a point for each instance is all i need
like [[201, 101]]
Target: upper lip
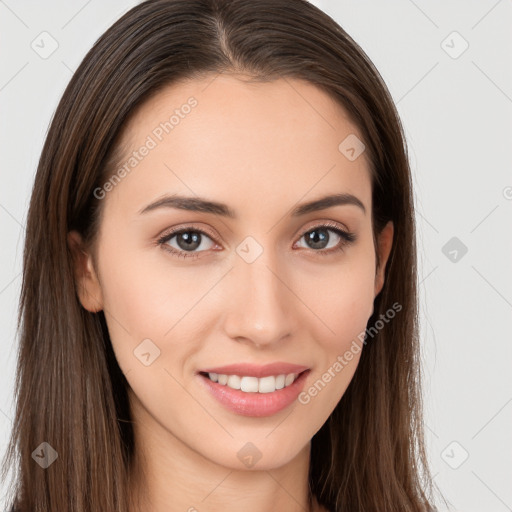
[[254, 370]]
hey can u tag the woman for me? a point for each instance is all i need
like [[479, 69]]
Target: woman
[[219, 296]]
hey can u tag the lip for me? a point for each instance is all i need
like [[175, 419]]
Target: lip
[[255, 404], [253, 370]]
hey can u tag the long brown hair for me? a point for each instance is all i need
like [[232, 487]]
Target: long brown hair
[[70, 392]]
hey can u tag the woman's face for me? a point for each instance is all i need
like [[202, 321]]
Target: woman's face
[[254, 279]]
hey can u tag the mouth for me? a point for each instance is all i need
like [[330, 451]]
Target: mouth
[[250, 395]]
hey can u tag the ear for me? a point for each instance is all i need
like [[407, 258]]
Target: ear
[[87, 283], [384, 243]]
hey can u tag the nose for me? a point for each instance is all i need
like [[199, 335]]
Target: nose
[[260, 305]]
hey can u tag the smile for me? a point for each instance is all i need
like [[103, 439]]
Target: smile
[[249, 395]]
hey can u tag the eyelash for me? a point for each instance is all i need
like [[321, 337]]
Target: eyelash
[[347, 238]]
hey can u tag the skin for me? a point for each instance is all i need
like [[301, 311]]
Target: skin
[[261, 148]]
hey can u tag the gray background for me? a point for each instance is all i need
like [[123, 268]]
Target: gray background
[[456, 107]]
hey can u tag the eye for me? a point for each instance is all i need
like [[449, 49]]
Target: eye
[[319, 239], [186, 241]]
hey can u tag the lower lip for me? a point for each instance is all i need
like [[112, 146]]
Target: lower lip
[[255, 404]]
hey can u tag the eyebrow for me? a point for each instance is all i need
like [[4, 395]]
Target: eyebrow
[[199, 204]]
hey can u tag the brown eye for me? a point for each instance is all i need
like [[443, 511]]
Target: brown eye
[[186, 242]]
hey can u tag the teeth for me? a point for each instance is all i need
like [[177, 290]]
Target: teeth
[[234, 381], [249, 384], [253, 384], [267, 384], [289, 379]]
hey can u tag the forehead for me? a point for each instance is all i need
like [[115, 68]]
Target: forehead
[[236, 140]]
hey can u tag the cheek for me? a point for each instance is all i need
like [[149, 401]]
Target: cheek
[[341, 298], [142, 301], [152, 321], [344, 306], [147, 297]]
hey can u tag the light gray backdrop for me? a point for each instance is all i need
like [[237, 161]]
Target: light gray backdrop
[[448, 66]]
